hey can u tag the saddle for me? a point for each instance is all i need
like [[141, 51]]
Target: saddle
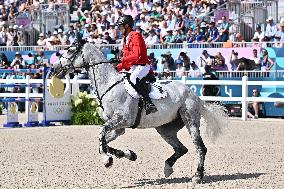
[[149, 86], [155, 90]]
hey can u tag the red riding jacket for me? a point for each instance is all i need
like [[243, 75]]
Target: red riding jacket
[[134, 52]]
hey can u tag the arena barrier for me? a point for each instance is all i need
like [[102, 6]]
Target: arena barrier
[[54, 109]]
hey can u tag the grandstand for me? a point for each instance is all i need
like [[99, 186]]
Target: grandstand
[[227, 29]]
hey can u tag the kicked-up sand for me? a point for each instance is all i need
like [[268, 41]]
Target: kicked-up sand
[[250, 154]]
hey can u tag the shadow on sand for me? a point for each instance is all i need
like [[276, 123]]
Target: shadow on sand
[[206, 179]]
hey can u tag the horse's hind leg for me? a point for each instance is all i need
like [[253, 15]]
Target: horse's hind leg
[[192, 123], [169, 133]]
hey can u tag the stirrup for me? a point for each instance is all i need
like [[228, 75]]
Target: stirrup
[[150, 108]]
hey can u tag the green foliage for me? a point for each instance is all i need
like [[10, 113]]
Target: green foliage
[[85, 110]]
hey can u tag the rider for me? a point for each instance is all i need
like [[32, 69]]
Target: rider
[[135, 59]]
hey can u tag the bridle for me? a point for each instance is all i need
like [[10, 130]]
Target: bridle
[[79, 45]]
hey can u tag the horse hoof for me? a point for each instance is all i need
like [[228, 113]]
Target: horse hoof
[[168, 170], [108, 162], [133, 156], [197, 178]]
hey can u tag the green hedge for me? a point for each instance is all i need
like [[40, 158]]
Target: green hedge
[[84, 110]]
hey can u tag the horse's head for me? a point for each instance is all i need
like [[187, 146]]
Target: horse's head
[[72, 60]]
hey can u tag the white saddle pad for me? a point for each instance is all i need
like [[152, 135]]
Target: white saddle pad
[[158, 90]]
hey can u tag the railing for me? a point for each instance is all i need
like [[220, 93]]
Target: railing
[[155, 46], [244, 99], [169, 75]]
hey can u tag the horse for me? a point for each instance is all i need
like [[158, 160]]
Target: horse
[[180, 108]]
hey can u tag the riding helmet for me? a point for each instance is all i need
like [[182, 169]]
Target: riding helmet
[[125, 19]]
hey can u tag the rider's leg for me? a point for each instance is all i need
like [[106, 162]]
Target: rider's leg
[[137, 74]]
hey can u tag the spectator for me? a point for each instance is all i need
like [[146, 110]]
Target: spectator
[[213, 33], [22, 6], [153, 61], [199, 35], [239, 38], [60, 35], [234, 56], [220, 62], [41, 60], [180, 70], [190, 37], [4, 14], [105, 22], [72, 37], [10, 36], [170, 22], [87, 16], [224, 29], [195, 71], [178, 36], [266, 63], [271, 29], [130, 10], [112, 31], [4, 61], [152, 38], [86, 31], [143, 23], [256, 59], [168, 61], [108, 38], [179, 25], [3, 37], [281, 32], [253, 107], [191, 10], [169, 38], [277, 42], [209, 90], [185, 59], [18, 62], [163, 30], [203, 59], [41, 41], [258, 33], [167, 75]]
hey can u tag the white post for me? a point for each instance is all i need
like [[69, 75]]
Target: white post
[[183, 78], [28, 88], [75, 86], [244, 97]]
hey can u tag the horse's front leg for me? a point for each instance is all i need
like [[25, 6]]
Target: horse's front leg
[[117, 123]]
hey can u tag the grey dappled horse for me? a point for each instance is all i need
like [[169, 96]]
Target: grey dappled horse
[[119, 110]]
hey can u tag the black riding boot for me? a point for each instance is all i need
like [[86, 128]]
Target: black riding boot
[[142, 89]]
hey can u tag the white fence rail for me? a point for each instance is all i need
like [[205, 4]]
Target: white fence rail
[[156, 46], [244, 99]]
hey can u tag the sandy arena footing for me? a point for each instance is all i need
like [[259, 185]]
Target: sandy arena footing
[[249, 155]]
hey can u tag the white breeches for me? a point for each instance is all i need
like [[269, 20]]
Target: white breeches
[[138, 71]]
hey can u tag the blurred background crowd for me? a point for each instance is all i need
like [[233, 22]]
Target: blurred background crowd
[[159, 21]]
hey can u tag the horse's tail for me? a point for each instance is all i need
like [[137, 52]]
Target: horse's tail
[[216, 119]]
